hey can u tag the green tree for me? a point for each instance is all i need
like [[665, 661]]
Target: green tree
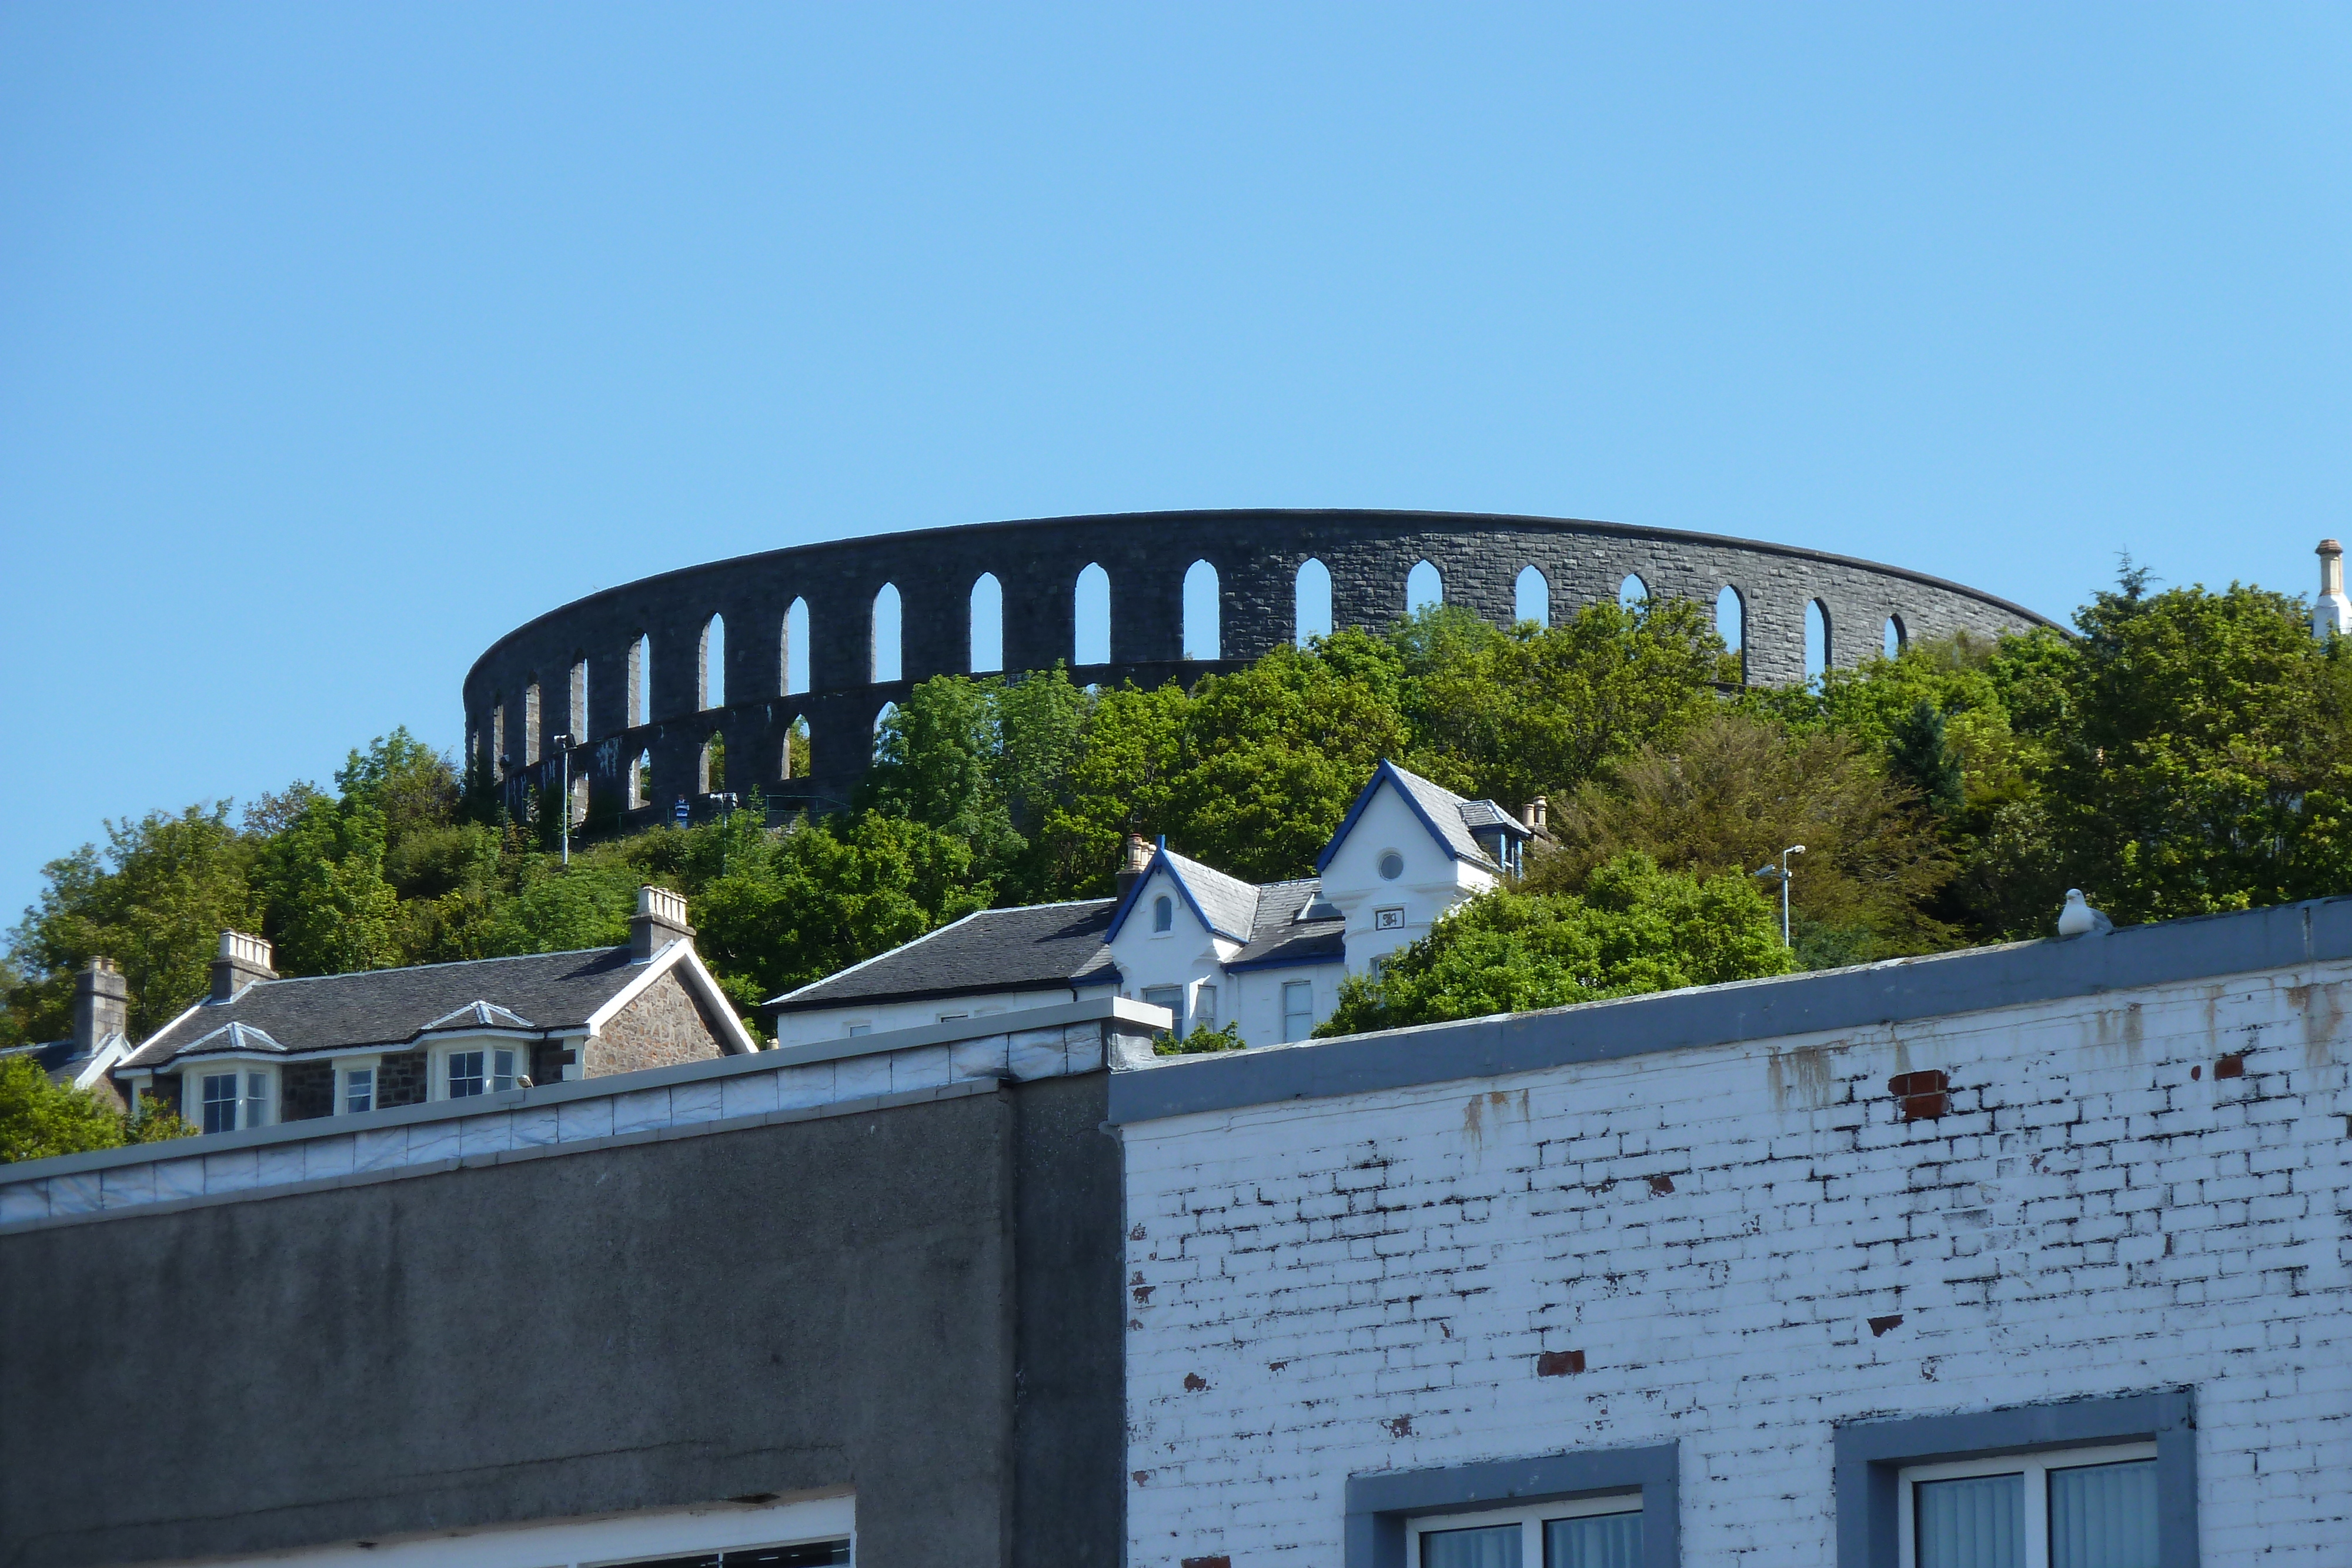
[[38, 1118], [1733, 794], [328, 907], [1634, 929], [1534, 711]]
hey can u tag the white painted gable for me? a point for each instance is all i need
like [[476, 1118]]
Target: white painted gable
[[1386, 913]]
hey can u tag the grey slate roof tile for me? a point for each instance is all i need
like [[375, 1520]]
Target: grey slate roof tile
[[1280, 936], [1038, 947], [388, 1008], [1230, 902]]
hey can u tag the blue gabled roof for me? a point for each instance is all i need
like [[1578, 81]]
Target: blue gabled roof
[[1441, 811], [1226, 905]]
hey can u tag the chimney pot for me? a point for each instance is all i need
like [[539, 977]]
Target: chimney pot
[[2331, 613], [243, 960], [1135, 855], [659, 920], [1538, 810]]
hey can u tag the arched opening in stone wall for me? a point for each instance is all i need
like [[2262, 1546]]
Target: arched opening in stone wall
[[498, 738], [796, 760], [987, 625], [641, 779], [1423, 589], [578, 726], [1731, 624], [796, 648], [882, 724], [1203, 636], [578, 799], [1633, 593], [1311, 602], [1531, 597], [531, 723], [888, 642], [713, 772], [641, 681], [1817, 639], [1896, 637], [1092, 608], [711, 691]]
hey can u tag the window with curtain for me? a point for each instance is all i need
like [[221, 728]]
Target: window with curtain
[[1298, 1008], [1592, 1532], [2084, 1509]]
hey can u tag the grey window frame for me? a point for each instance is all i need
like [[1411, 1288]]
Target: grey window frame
[[1379, 1504], [1872, 1455]]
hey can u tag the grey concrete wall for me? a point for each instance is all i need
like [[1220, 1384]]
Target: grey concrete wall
[[1257, 555], [921, 1303]]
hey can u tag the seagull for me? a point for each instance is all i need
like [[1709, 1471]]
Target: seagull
[[2079, 919]]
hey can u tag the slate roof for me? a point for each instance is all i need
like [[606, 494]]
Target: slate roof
[[1227, 903], [388, 1008], [1041, 945], [55, 1057], [1280, 938]]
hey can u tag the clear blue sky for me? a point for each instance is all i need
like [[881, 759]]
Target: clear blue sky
[[335, 340]]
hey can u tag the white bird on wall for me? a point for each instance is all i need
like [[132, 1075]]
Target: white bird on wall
[[2079, 919]]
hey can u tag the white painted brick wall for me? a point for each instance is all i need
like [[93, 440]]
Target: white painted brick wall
[[1364, 1283]]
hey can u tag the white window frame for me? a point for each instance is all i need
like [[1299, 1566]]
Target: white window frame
[[350, 1067], [851, 1028], [2036, 1467], [444, 1058], [1284, 1002], [1531, 1521], [1204, 1005], [246, 1074], [1175, 1013]]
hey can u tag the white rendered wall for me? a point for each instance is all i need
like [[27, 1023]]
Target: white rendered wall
[[832, 1023], [1330, 1287], [1433, 880]]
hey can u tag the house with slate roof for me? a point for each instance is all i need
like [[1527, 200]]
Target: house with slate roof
[[258, 1049], [1212, 949], [85, 1060]]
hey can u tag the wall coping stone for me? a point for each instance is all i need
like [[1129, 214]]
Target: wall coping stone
[[1898, 990]]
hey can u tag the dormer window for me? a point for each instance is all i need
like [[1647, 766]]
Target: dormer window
[[1391, 865], [485, 1071], [1163, 914]]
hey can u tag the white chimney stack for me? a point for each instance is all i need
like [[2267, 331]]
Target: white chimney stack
[[2331, 613]]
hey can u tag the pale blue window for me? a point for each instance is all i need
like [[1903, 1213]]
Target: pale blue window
[[1163, 914]]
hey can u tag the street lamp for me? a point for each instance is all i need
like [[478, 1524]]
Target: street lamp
[[562, 743], [1780, 874]]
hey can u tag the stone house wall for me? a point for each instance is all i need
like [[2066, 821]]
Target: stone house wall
[[663, 1026]]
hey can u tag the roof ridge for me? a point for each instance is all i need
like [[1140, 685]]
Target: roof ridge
[[438, 964]]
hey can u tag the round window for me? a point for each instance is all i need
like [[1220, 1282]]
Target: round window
[[1392, 866]]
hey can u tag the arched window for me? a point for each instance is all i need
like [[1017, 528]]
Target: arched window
[[714, 663], [1202, 635], [987, 624], [882, 722], [1311, 612], [641, 779], [499, 741], [796, 760], [1531, 598], [579, 703], [714, 763], [1423, 589], [1896, 638], [1731, 624], [1633, 593], [578, 799], [641, 682], [796, 648], [1817, 639], [530, 722], [1163, 914], [1092, 606], [887, 641]]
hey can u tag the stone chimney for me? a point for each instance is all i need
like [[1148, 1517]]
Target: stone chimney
[[101, 1004], [2331, 613], [1134, 857], [243, 960], [1537, 817], [659, 920]]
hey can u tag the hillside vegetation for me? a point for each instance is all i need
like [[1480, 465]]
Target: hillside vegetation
[[2186, 753]]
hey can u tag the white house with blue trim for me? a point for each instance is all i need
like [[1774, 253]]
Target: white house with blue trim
[[1212, 949]]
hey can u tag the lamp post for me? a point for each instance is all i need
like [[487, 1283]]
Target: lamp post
[[562, 743], [1780, 874]]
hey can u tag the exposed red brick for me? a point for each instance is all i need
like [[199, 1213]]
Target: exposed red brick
[[1400, 1427], [2231, 1066], [1924, 1107], [1560, 1362], [1930, 1081], [1661, 1184], [1194, 1383], [1880, 1326], [1219, 1562]]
